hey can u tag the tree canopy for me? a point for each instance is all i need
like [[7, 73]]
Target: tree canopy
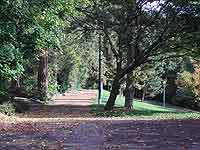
[[137, 31], [48, 46]]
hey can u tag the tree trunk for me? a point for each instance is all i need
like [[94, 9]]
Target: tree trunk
[[113, 94], [131, 53], [143, 93], [129, 94], [43, 75]]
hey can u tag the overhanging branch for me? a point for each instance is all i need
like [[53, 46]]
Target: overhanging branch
[[111, 43]]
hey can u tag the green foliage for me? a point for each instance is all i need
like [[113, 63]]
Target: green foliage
[[151, 76], [77, 64], [10, 67], [188, 94], [7, 108], [148, 77], [29, 85], [52, 87], [136, 34], [26, 27], [10, 62]]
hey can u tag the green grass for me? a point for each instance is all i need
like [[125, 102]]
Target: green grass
[[141, 110]]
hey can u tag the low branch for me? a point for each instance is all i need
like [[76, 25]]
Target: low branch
[[141, 30], [111, 44], [148, 51]]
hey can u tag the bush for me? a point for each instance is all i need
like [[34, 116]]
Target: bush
[[185, 98], [7, 108], [188, 94], [52, 87]]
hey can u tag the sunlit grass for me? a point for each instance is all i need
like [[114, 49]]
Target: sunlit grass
[[141, 110]]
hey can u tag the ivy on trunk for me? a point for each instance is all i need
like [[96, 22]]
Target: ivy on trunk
[[43, 75]]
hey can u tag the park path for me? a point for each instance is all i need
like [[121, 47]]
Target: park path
[[103, 135], [76, 98], [74, 104], [94, 134]]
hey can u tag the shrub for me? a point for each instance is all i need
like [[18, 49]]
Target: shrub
[[196, 80], [7, 108], [185, 98], [188, 93], [52, 87]]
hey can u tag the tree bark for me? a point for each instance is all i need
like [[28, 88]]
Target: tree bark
[[113, 94], [43, 75], [129, 94]]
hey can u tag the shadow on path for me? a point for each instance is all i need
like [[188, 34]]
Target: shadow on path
[[57, 111], [69, 104]]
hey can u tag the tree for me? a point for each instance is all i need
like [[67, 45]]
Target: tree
[[27, 29], [11, 56], [137, 31], [43, 74]]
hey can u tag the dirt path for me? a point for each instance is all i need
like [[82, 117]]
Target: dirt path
[[103, 135], [70, 104], [95, 133]]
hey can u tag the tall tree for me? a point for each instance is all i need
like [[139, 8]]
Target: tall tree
[[27, 28], [145, 30], [43, 74], [131, 7]]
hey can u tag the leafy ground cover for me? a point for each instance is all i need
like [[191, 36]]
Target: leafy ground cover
[[42, 129], [142, 110], [103, 135]]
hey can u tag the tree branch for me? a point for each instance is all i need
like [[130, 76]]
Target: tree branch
[[148, 51], [141, 30], [111, 44]]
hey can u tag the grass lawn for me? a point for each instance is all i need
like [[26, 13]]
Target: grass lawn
[[141, 110]]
